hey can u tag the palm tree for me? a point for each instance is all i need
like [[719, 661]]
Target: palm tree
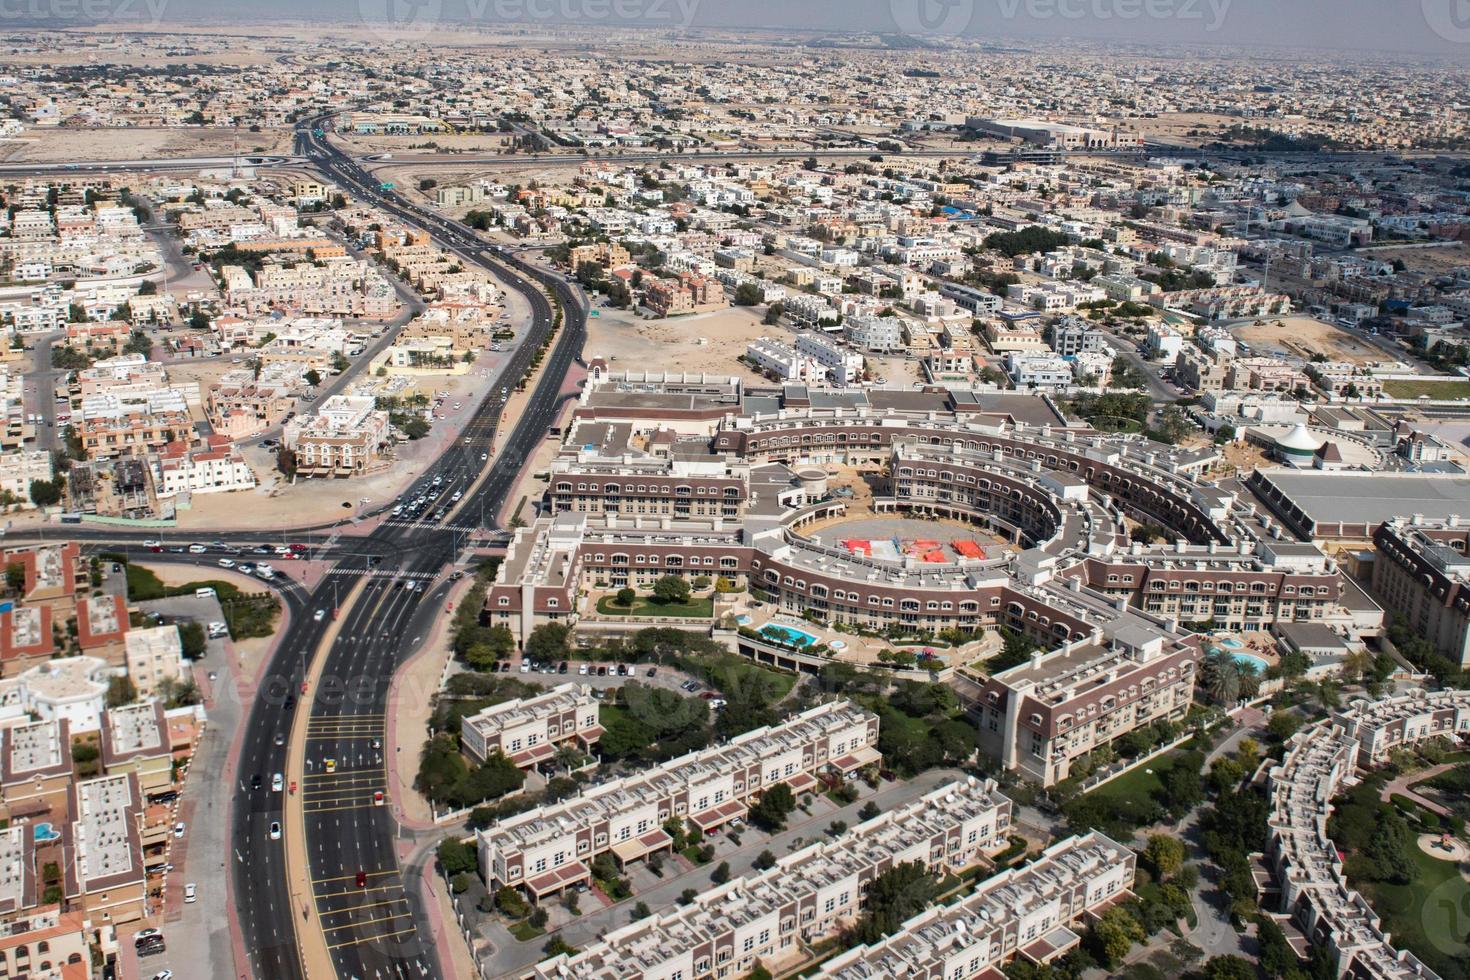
[[1220, 678]]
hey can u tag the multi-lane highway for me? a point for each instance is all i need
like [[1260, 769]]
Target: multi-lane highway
[[373, 930]]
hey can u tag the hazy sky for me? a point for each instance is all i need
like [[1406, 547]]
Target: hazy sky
[[1439, 26]]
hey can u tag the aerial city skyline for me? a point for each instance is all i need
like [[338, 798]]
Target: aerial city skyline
[[666, 490]]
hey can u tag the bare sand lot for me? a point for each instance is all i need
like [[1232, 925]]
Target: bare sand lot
[[1441, 258], [448, 143], [1305, 336], [703, 343], [1176, 126], [138, 143]]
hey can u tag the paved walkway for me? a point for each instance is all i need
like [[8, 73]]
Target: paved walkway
[[1402, 786]]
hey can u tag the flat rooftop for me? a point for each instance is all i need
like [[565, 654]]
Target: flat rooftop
[[1365, 498]]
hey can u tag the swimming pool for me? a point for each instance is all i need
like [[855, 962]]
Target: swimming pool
[[43, 832], [788, 635], [1230, 643], [1255, 663]]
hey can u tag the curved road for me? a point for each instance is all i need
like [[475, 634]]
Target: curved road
[[376, 931]]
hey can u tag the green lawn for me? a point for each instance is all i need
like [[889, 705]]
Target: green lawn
[[1436, 390], [526, 932], [696, 608], [246, 615], [1135, 795], [1426, 915]]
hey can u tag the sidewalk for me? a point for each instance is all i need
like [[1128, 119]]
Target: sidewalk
[[410, 706]]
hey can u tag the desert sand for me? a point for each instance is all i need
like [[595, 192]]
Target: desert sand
[[705, 342], [1305, 336], [138, 143]]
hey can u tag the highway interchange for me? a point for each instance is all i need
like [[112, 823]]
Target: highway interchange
[[375, 930]]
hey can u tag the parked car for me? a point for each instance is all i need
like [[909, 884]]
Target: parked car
[[191, 893]]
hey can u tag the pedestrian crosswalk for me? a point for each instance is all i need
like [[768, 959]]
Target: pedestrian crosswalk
[[387, 573]]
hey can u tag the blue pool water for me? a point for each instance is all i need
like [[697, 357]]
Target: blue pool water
[[44, 832], [1255, 663], [1231, 643], [788, 636]]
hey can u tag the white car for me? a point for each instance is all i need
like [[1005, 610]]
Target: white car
[[277, 783], [178, 830], [197, 549], [275, 830], [318, 616], [226, 563], [582, 668], [191, 893]]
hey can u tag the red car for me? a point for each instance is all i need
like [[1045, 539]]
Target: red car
[[362, 879]]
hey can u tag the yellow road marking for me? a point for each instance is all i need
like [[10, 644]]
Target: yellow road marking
[[372, 939], [369, 922]]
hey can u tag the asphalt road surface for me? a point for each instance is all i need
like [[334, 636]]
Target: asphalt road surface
[[375, 931]]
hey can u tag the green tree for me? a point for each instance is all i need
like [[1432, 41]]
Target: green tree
[[892, 898], [721, 874], [748, 294], [764, 860], [312, 377], [1164, 855], [626, 598], [15, 576], [1389, 849], [121, 691], [776, 803], [1116, 933], [193, 640], [1229, 968], [510, 903], [457, 857], [548, 642], [671, 589], [45, 493]]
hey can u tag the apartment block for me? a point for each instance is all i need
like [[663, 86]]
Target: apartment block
[[155, 654], [1302, 875], [345, 436], [527, 731], [213, 467], [1034, 913], [548, 850], [773, 915], [135, 739], [103, 871], [844, 365], [1040, 716], [36, 769], [18, 470], [1422, 572], [783, 362]]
